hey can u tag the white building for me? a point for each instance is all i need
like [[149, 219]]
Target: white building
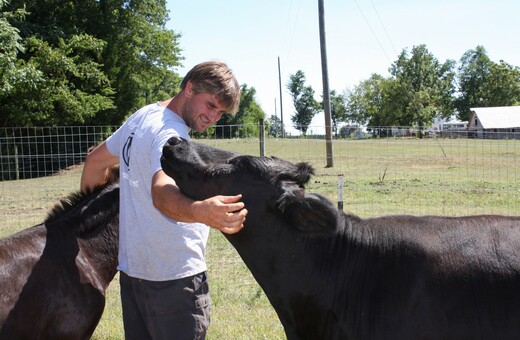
[[495, 122]]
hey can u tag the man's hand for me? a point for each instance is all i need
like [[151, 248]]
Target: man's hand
[[224, 213]]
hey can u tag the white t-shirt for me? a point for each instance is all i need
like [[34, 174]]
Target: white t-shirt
[[152, 246]]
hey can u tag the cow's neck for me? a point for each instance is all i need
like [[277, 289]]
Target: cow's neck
[[292, 273]]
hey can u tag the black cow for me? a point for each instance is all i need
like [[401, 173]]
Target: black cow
[[331, 275], [53, 276]]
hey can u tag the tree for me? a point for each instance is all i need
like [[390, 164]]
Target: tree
[[426, 85], [503, 88], [473, 77], [364, 101], [375, 102], [137, 58], [419, 89], [140, 52], [274, 126], [483, 83], [15, 74], [304, 103], [245, 120], [338, 109], [70, 89]]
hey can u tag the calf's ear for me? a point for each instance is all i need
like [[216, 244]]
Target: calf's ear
[[311, 214]]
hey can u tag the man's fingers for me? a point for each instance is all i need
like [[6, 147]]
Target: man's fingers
[[230, 199], [231, 203], [234, 207], [232, 229], [236, 217], [234, 222]]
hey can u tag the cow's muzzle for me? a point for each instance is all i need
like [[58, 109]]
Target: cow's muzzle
[[173, 141]]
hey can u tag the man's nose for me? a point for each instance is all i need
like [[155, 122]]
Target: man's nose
[[215, 115]]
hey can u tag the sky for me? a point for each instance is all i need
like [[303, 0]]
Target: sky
[[362, 37]]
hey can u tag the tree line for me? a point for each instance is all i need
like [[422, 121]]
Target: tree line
[[89, 62], [419, 89], [94, 62], [84, 64]]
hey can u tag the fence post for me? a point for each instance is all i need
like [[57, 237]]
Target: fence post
[[16, 164], [340, 192], [262, 138]]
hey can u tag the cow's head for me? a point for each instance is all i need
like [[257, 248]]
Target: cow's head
[[269, 185]]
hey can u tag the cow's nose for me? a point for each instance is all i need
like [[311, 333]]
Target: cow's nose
[[174, 141]]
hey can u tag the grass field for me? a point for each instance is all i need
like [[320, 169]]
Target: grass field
[[381, 176]]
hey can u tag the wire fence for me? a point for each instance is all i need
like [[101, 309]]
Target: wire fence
[[386, 170], [375, 171], [32, 152]]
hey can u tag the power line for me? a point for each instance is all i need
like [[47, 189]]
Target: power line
[[384, 28], [375, 35], [287, 46]]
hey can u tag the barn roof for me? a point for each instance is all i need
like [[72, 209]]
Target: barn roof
[[501, 117]]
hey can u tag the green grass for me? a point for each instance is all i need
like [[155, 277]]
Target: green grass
[[412, 176], [381, 176]]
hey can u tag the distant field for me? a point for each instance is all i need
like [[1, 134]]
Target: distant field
[[405, 175], [381, 176]]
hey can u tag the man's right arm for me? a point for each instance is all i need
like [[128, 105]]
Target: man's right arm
[[225, 213]]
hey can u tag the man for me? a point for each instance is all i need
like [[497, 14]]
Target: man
[[163, 233]]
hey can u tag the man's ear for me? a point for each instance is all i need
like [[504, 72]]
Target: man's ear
[[188, 88], [311, 214]]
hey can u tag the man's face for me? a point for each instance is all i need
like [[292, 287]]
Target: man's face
[[201, 110]]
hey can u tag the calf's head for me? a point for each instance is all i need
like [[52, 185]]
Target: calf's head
[[271, 187]]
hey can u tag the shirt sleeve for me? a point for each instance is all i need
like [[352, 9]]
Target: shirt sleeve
[[113, 143], [157, 146]]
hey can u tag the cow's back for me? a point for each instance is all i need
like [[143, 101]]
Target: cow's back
[[460, 244], [439, 277]]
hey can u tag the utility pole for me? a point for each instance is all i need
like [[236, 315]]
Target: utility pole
[[281, 106], [326, 92]]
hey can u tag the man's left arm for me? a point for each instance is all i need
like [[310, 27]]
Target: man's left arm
[[96, 164]]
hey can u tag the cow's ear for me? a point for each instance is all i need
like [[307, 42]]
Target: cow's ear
[[304, 172], [311, 214]]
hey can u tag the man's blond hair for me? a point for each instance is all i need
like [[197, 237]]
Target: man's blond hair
[[216, 78]]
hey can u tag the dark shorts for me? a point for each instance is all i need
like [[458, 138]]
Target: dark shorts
[[177, 309]]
